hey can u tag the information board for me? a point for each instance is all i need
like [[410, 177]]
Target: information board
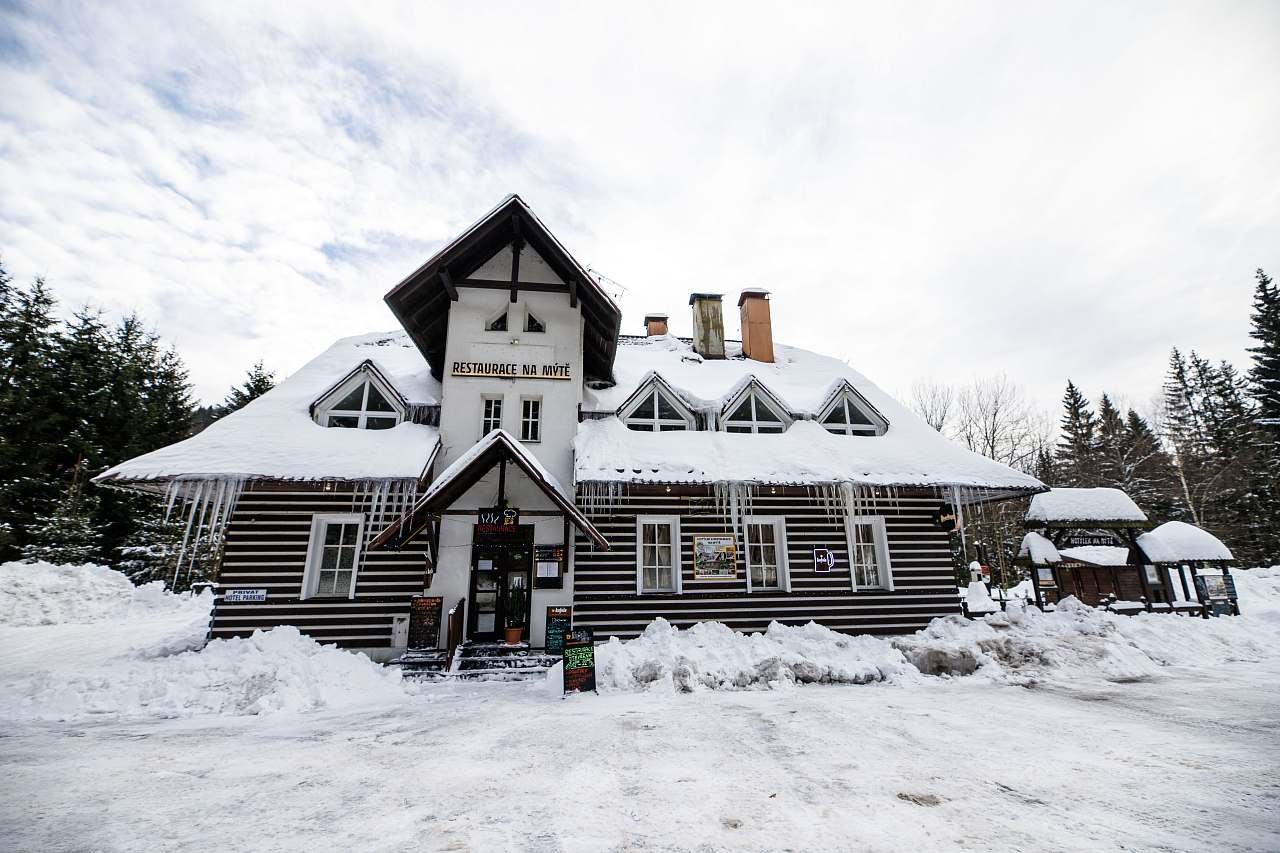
[[824, 559], [579, 661], [424, 621], [559, 623], [715, 557], [549, 566]]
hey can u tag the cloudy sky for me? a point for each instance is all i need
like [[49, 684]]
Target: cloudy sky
[[941, 191]]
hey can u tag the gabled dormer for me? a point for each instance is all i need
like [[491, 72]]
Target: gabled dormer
[[753, 408], [363, 399], [846, 412], [656, 407]]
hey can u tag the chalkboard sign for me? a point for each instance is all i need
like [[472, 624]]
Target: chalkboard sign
[[424, 622], [559, 621], [579, 661]]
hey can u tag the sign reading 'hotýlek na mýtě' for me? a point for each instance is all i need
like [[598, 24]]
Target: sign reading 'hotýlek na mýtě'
[[511, 370]]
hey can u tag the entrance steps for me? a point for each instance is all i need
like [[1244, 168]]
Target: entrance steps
[[478, 662]]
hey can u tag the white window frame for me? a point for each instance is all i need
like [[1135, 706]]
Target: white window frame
[[878, 425], [365, 378], [756, 399], [485, 420], [672, 521], [315, 549], [493, 318], [779, 524], [880, 536], [529, 315], [627, 415], [524, 419]]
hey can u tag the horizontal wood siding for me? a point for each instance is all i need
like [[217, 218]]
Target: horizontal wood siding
[[605, 596], [266, 548]]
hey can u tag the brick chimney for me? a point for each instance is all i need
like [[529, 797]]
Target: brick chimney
[[757, 327], [708, 325], [655, 324]]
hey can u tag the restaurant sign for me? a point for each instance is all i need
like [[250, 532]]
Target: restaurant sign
[[511, 370], [498, 521]]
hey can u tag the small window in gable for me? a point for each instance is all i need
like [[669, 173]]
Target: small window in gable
[[846, 416], [654, 411], [754, 415], [497, 324], [533, 324], [359, 404]]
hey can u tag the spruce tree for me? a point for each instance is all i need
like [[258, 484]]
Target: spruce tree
[[67, 534], [1078, 444], [258, 381], [1264, 374], [1112, 446]]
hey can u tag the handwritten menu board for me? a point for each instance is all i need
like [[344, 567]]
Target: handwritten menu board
[[424, 621], [579, 661], [559, 621]]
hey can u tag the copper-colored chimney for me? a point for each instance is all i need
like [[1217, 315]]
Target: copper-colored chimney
[[655, 324], [757, 326]]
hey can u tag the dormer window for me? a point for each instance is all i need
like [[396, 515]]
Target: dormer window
[[654, 411], [361, 401], [497, 324], [754, 414], [533, 324], [849, 414]]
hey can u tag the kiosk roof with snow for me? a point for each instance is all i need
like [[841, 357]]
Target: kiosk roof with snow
[[1077, 507], [1179, 542]]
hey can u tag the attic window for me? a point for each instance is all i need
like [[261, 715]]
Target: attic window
[[533, 324], [359, 403], [654, 411], [754, 415], [497, 324], [848, 415]]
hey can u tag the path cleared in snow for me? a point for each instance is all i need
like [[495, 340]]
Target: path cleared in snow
[[1054, 744]]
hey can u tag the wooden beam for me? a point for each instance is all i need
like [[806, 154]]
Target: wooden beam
[[516, 246], [573, 293], [495, 284], [447, 281]]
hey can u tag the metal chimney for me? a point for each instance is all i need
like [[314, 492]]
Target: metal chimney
[[708, 325]]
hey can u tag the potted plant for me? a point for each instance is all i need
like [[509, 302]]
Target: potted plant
[[516, 601]]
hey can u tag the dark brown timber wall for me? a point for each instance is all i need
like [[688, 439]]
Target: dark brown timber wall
[[266, 548], [919, 553]]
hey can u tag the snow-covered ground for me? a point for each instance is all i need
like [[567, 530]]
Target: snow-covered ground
[[1078, 730]]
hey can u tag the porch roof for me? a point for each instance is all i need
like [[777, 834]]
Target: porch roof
[[495, 448]]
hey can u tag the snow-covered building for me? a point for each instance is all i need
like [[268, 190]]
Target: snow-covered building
[[508, 451]]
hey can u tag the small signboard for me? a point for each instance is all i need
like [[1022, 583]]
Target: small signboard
[[498, 522], [1045, 577], [945, 517], [559, 623], [715, 557], [549, 565], [241, 596], [424, 621], [824, 560], [579, 658], [1082, 540]]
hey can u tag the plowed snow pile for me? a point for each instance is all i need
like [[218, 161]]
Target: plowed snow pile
[[79, 642], [1023, 646]]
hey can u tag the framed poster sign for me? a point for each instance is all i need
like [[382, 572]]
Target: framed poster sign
[[715, 557], [579, 656], [559, 623], [549, 564]]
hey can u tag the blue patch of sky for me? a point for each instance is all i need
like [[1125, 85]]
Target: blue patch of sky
[[13, 50], [174, 90]]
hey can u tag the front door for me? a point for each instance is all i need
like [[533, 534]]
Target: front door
[[500, 587]]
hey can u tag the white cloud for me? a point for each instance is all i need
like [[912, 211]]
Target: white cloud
[[944, 191]]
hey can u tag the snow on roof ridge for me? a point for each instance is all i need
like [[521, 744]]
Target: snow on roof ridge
[[1177, 541], [1098, 504]]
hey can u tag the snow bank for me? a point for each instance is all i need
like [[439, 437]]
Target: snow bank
[[1258, 593], [81, 642], [44, 594], [271, 671], [713, 656]]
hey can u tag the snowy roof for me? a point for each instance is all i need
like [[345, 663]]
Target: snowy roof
[[1041, 551], [1177, 541], [275, 437], [1097, 555], [1096, 505], [910, 453]]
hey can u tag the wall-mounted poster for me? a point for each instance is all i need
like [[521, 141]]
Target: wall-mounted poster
[[715, 557]]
